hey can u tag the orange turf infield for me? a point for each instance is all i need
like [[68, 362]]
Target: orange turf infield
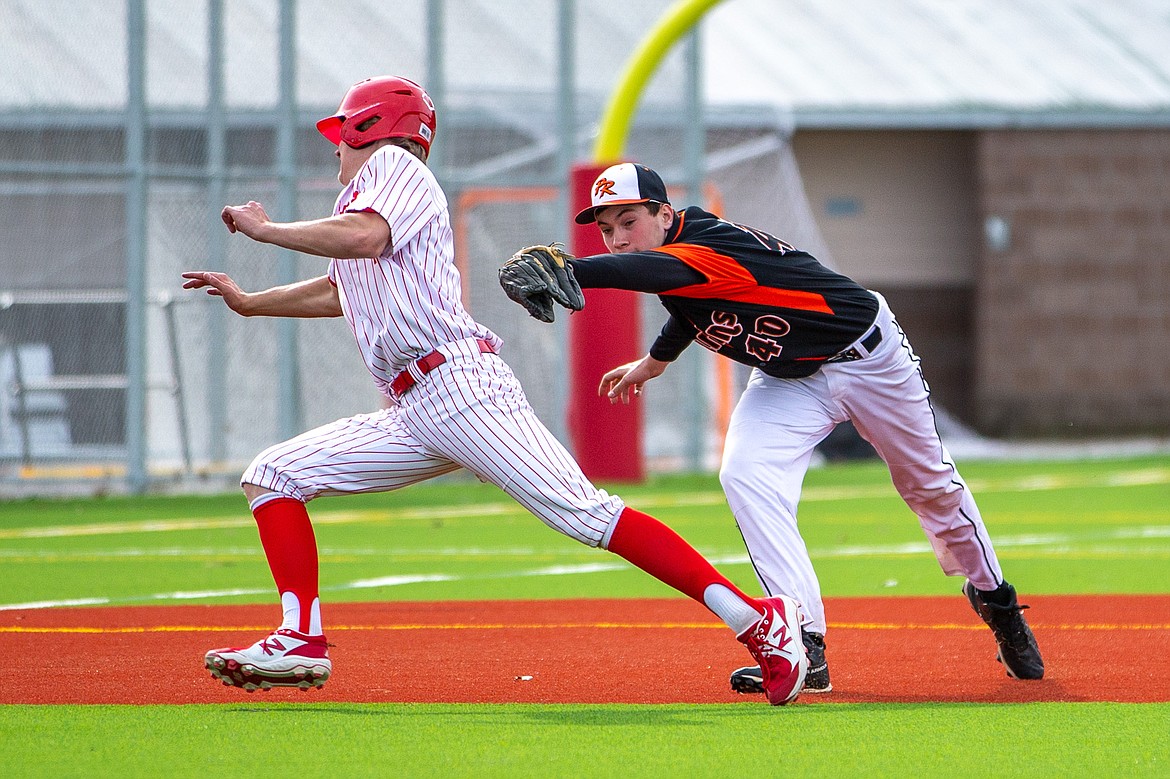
[[912, 649]]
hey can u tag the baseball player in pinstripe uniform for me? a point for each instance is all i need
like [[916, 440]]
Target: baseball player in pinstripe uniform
[[454, 403], [823, 350]]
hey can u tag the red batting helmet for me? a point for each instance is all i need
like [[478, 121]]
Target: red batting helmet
[[402, 107]]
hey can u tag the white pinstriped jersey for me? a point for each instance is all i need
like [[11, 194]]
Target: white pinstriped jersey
[[406, 302], [470, 412]]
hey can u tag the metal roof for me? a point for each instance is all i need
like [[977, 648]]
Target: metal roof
[[965, 61], [828, 61]]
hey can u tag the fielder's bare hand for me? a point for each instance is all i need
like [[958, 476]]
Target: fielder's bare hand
[[218, 285], [249, 218], [626, 380]]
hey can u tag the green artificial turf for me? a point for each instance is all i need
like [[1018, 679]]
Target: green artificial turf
[[1064, 527], [1059, 527], [921, 740]]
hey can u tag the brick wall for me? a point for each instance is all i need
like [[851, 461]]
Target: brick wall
[[1073, 313]]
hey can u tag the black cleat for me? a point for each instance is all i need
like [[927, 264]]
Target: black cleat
[[749, 680], [1018, 651]]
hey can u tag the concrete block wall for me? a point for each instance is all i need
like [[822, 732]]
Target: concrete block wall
[[1073, 282]]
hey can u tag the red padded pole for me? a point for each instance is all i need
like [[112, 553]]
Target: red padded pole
[[607, 439]]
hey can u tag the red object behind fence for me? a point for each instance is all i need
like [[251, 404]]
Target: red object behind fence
[[607, 439]]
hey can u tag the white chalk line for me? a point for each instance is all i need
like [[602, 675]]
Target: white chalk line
[[1055, 543], [245, 520], [1048, 543], [1036, 482], [359, 584], [250, 552]]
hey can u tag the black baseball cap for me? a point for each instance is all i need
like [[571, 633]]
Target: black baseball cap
[[620, 185]]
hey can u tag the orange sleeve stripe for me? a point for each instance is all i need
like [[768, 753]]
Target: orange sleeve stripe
[[730, 281]]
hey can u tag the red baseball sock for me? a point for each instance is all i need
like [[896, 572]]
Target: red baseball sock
[[664, 554], [291, 548]]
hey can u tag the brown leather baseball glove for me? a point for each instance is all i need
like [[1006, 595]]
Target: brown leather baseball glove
[[538, 276]]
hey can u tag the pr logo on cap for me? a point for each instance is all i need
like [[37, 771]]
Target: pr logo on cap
[[603, 187]]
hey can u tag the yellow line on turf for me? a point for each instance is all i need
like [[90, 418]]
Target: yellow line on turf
[[1034, 625], [336, 628], [563, 626]]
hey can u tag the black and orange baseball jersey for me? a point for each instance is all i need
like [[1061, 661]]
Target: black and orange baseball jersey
[[742, 293]]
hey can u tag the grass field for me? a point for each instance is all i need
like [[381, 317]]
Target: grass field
[[1060, 528]]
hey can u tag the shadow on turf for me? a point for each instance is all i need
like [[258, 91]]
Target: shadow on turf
[[627, 715]]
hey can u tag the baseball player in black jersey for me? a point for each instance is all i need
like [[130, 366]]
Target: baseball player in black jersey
[[823, 350]]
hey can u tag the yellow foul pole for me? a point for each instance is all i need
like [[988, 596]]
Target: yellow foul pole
[[619, 113]]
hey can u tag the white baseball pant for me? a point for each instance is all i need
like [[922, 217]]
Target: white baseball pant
[[470, 412], [777, 424]]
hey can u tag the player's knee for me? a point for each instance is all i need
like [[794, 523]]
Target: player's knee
[[732, 470], [937, 500], [266, 475], [253, 491], [740, 477]]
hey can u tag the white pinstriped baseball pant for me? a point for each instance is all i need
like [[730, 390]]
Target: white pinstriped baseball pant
[[470, 412], [777, 424]]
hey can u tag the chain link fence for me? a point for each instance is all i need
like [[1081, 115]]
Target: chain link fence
[[218, 388]]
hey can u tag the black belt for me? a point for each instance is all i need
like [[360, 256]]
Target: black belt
[[427, 363], [868, 343]]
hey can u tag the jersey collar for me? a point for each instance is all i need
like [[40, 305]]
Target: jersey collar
[[676, 229]]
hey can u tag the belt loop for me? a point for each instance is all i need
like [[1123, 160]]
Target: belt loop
[[861, 348], [871, 340]]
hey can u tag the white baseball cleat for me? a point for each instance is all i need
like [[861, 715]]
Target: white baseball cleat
[[775, 643], [285, 658]]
